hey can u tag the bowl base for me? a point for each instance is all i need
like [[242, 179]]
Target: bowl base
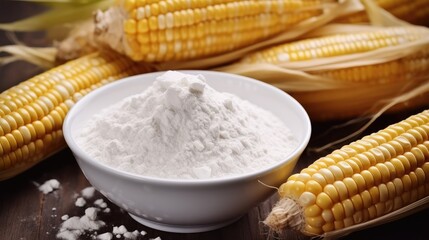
[[181, 228]]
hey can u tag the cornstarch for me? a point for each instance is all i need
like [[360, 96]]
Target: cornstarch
[[181, 128], [49, 186]]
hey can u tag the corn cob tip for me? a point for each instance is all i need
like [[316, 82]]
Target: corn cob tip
[[108, 26], [367, 179], [286, 214]]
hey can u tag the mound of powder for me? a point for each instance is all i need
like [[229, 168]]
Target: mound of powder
[[181, 128]]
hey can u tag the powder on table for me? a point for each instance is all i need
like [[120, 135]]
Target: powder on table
[[80, 202], [105, 236], [88, 192], [74, 227], [122, 231], [100, 203], [49, 186], [181, 128], [119, 230], [91, 213]]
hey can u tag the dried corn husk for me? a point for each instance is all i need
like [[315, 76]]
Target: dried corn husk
[[68, 23], [415, 12], [326, 98], [40, 56]]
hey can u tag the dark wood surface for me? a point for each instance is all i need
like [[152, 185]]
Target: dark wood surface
[[26, 213]]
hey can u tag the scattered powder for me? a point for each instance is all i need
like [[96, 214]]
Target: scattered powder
[[105, 236], [119, 230], [54, 209], [80, 202], [131, 235], [49, 186], [88, 192], [181, 128], [122, 231], [100, 203], [74, 227], [91, 213]]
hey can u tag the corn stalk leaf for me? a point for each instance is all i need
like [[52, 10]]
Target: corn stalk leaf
[[56, 16]]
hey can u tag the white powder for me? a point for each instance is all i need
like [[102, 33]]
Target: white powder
[[80, 202], [105, 236], [181, 128], [100, 203], [49, 186], [122, 231], [74, 227], [88, 192], [131, 235], [91, 213], [119, 230]]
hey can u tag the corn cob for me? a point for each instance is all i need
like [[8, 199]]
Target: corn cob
[[156, 31], [366, 179], [375, 81], [416, 11], [336, 45], [32, 113]]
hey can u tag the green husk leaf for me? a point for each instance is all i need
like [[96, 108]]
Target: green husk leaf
[[56, 16], [41, 56]]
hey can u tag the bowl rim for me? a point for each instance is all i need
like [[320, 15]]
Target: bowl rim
[[81, 154]]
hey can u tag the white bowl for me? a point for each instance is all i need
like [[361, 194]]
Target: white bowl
[[188, 205]]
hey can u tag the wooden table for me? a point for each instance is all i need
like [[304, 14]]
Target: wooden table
[[26, 213]]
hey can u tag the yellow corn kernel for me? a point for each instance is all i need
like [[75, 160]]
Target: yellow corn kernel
[[391, 171], [31, 126], [214, 26]]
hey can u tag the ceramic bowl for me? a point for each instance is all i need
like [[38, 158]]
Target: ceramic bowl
[[188, 205]]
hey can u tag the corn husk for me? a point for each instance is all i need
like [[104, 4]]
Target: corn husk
[[399, 8], [67, 23], [40, 56], [310, 90], [325, 98]]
